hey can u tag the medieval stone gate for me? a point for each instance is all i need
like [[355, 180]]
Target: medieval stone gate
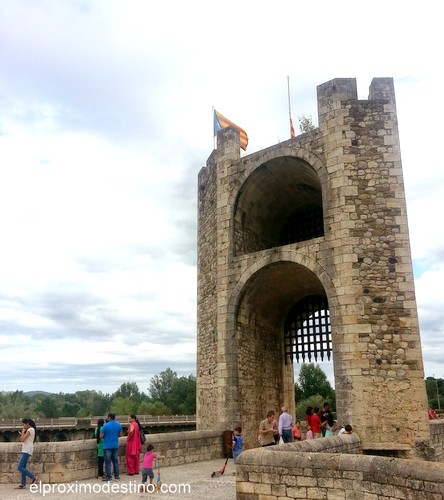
[[319, 220]]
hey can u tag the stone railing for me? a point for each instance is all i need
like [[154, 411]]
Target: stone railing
[[334, 468], [437, 440], [67, 461]]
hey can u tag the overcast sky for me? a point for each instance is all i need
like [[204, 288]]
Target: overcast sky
[[105, 122]]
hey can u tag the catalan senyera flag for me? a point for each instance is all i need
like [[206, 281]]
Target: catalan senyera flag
[[292, 129], [222, 122]]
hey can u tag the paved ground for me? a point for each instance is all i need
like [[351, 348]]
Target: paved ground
[[191, 481]]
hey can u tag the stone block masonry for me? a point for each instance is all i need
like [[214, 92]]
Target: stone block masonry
[[320, 215], [332, 470], [68, 461]]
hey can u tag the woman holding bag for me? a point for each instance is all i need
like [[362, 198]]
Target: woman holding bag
[[133, 446]]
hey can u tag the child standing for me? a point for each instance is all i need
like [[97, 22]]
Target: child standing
[[100, 457], [297, 431], [238, 443], [147, 466], [309, 433]]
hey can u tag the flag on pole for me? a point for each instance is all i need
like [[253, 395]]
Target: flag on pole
[[289, 109], [222, 122]]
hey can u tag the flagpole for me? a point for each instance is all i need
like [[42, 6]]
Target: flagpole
[[214, 137], [292, 134]]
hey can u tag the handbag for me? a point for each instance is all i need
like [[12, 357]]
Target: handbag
[[142, 436]]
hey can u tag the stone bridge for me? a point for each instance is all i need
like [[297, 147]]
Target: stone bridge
[[73, 428], [334, 467]]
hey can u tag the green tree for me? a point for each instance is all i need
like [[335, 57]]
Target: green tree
[[128, 390], [161, 385], [305, 123], [177, 393], [435, 392], [153, 408], [50, 407], [124, 406], [70, 409], [301, 406], [312, 381], [14, 405], [183, 396], [100, 404]]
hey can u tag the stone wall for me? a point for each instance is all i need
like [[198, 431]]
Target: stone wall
[[76, 460], [331, 469], [436, 450], [253, 269]]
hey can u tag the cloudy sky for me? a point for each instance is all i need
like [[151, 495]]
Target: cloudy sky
[[105, 122]]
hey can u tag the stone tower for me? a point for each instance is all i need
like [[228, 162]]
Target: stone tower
[[303, 252]]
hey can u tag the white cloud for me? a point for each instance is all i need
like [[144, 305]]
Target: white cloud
[[106, 121]]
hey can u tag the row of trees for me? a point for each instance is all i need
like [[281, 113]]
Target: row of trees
[[168, 394]]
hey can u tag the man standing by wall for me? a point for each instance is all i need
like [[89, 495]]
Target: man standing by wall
[[285, 425], [110, 433]]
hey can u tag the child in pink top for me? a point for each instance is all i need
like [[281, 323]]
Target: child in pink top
[[297, 431], [147, 466]]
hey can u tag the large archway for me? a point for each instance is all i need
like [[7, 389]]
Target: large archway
[[279, 203], [265, 377]]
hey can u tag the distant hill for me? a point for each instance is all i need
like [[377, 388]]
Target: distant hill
[[36, 393]]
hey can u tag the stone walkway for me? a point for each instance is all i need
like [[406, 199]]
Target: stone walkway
[[190, 481]]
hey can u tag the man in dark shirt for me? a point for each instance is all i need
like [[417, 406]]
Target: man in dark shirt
[[325, 412]]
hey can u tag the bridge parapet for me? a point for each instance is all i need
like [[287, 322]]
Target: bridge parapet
[[60, 462], [15, 424], [154, 420]]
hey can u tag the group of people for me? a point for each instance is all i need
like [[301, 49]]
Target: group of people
[[271, 431], [321, 423], [318, 423], [107, 435]]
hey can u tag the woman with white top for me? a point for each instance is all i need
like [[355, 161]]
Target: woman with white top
[[27, 437]]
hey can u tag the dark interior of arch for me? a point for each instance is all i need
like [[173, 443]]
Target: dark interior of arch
[[307, 331], [280, 203]]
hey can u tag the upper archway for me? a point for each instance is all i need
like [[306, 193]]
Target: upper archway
[[279, 203]]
